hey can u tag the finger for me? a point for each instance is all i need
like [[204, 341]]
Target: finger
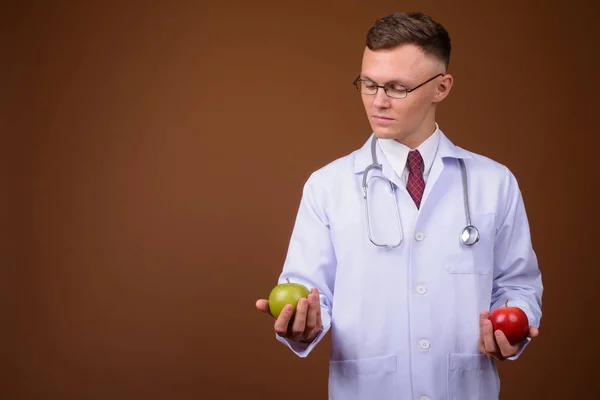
[[533, 332], [263, 305], [506, 349], [480, 345], [311, 318], [282, 322], [299, 323], [489, 342], [482, 319], [482, 348], [319, 323]]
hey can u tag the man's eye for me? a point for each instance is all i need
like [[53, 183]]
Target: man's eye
[[396, 88]]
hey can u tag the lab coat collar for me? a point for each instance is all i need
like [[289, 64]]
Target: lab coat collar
[[446, 149]]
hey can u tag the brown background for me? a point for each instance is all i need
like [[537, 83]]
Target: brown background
[[154, 156]]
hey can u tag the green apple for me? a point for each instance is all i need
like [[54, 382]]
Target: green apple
[[284, 294]]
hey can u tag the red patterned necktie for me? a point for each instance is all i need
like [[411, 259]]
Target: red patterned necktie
[[415, 184]]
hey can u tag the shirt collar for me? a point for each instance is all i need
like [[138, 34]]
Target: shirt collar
[[397, 153], [446, 149]]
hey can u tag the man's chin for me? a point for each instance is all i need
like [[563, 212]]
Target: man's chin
[[385, 134]]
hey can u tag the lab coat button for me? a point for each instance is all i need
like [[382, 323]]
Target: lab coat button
[[424, 398], [421, 289], [419, 236], [424, 343]]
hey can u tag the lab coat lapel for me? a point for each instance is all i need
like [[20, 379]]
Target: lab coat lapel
[[363, 159], [446, 150], [434, 174]]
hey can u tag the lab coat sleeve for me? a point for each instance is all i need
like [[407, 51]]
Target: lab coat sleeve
[[516, 273], [310, 259]]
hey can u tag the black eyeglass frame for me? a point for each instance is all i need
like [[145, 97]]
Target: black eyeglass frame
[[385, 87]]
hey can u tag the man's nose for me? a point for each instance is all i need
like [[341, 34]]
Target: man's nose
[[381, 99]]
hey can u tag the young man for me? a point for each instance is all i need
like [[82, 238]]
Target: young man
[[404, 289]]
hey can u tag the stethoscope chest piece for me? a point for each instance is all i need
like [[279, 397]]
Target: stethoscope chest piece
[[469, 235]]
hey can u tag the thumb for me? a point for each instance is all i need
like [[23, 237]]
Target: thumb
[[533, 332], [263, 305]]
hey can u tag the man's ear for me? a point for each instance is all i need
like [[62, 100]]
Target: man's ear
[[443, 88]]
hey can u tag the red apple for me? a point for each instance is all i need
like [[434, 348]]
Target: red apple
[[512, 321]]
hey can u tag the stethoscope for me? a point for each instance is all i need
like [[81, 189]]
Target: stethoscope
[[469, 235]]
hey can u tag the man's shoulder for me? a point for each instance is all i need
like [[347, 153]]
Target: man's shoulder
[[490, 170], [484, 163], [335, 170]]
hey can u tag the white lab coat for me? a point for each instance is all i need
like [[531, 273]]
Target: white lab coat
[[405, 322]]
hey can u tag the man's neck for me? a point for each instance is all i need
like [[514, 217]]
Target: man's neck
[[422, 134]]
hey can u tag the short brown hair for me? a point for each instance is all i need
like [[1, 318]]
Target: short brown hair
[[410, 28]]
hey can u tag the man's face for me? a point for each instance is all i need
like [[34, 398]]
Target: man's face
[[406, 67]]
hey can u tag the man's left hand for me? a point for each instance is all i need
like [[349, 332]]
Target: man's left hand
[[495, 344]]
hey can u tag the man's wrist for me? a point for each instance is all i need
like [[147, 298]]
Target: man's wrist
[[312, 338]]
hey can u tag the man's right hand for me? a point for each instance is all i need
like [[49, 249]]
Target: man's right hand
[[306, 323]]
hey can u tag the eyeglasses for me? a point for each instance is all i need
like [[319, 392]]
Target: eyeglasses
[[393, 90]]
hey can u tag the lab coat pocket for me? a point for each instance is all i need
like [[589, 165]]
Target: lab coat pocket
[[475, 259], [472, 377], [364, 379]]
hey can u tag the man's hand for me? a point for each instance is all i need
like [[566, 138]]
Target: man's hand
[[306, 323], [494, 344]]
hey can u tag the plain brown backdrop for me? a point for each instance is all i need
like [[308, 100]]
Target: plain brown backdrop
[[153, 158]]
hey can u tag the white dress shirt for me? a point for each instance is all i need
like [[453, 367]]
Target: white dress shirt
[[397, 154]]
